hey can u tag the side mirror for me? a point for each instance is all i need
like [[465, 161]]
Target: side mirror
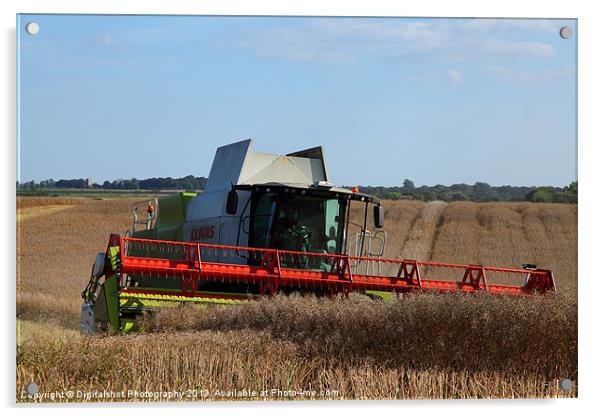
[[379, 216], [232, 202]]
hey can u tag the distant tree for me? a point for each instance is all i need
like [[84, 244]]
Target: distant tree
[[461, 187], [569, 194], [483, 191], [564, 197], [408, 187], [71, 183], [393, 195], [542, 194], [455, 196], [48, 183], [428, 196], [571, 188]]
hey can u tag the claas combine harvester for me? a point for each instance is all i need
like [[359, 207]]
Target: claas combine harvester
[[266, 224]]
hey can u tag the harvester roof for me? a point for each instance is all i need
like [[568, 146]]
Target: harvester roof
[[239, 164]]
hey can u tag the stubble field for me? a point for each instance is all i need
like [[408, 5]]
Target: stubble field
[[426, 346]]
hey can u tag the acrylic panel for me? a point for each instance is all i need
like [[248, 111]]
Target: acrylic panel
[[237, 208]]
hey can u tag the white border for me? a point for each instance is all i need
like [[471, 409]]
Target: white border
[[589, 182]]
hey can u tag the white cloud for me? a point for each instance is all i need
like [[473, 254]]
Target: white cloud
[[343, 40], [546, 25], [506, 73], [309, 56], [489, 25], [105, 39], [455, 76], [420, 34], [499, 47]]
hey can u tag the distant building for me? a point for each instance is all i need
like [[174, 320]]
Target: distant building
[[89, 183]]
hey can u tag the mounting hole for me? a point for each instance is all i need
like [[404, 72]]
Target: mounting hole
[[566, 384], [32, 388], [566, 32], [32, 28]]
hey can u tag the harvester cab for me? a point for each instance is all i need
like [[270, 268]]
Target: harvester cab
[[264, 224], [262, 201]]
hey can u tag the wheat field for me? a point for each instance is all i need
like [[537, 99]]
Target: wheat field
[[420, 346]]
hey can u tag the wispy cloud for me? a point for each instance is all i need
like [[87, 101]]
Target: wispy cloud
[[512, 74], [499, 25], [106, 39], [456, 77], [491, 48], [343, 40], [337, 57]]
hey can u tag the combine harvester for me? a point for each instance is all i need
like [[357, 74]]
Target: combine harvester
[[265, 224]]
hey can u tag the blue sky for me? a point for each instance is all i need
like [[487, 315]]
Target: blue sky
[[434, 100]]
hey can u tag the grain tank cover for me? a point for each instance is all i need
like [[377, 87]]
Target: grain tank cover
[[238, 164], [172, 208]]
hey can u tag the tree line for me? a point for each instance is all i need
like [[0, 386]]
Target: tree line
[[189, 183], [479, 192]]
